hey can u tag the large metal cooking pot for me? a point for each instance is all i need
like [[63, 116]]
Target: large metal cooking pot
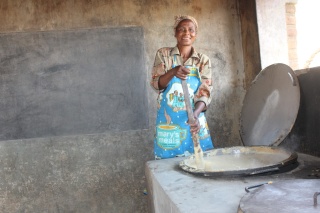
[[290, 196], [269, 111], [240, 161]]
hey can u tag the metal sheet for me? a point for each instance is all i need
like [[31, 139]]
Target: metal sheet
[[270, 106], [290, 196], [240, 161]]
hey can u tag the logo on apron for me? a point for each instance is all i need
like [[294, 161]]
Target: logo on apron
[[175, 97], [170, 136]]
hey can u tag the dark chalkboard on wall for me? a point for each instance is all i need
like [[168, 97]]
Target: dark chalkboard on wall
[[72, 82]]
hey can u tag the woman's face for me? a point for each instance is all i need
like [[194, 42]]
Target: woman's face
[[186, 33]]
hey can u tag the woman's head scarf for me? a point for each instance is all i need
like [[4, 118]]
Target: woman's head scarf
[[180, 18]]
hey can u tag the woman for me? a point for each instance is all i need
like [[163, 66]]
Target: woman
[[173, 64]]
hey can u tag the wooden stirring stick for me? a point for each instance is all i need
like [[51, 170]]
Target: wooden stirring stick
[[195, 137]]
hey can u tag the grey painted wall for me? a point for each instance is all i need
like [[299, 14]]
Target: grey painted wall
[[71, 82], [104, 171]]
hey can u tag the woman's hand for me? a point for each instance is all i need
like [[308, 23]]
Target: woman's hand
[[181, 72], [195, 126]]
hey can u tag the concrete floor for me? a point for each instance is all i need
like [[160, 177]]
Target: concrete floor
[[172, 190]]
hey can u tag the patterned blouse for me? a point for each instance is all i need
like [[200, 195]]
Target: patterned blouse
[[164, 60]]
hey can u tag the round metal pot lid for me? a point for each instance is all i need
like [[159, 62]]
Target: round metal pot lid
[[240, 161], [289, 196], [270, 106]]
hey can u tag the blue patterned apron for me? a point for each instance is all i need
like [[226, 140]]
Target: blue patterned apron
[[173, 137]]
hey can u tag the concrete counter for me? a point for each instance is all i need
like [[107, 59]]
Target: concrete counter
[[172, 190]]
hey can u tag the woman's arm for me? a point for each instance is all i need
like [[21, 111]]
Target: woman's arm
[[205, 89], [199, 107], [179, 71]]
